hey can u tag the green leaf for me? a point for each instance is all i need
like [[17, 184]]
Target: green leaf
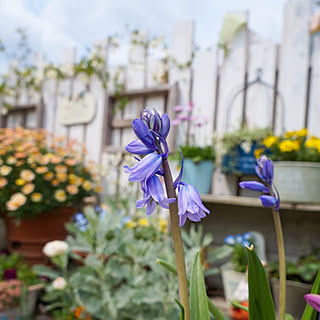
[[239, 306], [181, 308], [214, 311], [310, 313], [260, 300], [288, 317], [45, 271], [198, 295], [168, 266]]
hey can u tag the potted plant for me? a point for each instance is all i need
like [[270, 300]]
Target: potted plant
[[235, 270], [241, 149], [19, 287], [296, 165], [42, 182], [198, 160], [300, 276]]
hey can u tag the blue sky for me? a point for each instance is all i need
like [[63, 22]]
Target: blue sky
[[57, 24]]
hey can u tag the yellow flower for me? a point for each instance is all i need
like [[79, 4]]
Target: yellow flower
[[269, 141], [163, 225], [290, 134], [20, 182], [87, 185], [27, 175], [36, 197], [258, 152], [302, 133], [28, 188], [313, 142], [130, 225], [5, 170], [11, 160], [60, 195], [44, 159], [20, 163], [61, 176], [60, 168], [41, 169], [48, 176], [17, 200], [71, 162], [98, 189], [3, 182], [55, 182], [73, 179], [56, 159], [72, 189], [143, 222], [289, 146]]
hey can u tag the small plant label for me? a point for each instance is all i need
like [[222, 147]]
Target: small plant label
[[80, 110]]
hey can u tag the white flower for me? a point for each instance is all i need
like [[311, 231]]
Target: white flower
[[59, 283], [55, 248], [246, 146], [52, 74]]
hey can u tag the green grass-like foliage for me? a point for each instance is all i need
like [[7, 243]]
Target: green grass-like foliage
[[197, 154]]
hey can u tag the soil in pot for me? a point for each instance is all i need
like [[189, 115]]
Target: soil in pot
[[29, 237]]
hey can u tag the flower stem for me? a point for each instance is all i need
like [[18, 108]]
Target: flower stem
[[177, 239], [282, 264]]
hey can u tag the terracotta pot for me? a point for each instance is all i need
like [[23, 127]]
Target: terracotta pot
[[29, 237]]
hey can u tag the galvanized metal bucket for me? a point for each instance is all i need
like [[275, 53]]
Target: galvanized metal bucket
[[298, 182]]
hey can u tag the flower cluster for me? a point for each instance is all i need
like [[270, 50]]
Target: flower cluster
[[264, 170], [293, 146], [152, 131], [38, 173]]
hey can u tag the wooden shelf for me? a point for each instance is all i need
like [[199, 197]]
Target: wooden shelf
[[161, 90], [255, 202]]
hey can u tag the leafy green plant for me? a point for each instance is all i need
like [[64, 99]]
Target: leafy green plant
[[305, 270], [197, 154], [247, 137]]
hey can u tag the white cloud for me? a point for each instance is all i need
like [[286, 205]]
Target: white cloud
[[57, 24]]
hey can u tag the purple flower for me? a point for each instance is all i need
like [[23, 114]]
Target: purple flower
[[156, 123], [313, 300], [264, 170], [144, 134], [9, 274], [137, 147], [153, 193], [145, 168], [190, 204]]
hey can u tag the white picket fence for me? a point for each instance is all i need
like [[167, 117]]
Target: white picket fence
[[291, 67]]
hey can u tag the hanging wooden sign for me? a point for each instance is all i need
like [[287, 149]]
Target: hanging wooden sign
[[77, 111]]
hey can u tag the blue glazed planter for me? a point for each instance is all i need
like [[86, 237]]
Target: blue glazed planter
[[240, 162], [198, 174]]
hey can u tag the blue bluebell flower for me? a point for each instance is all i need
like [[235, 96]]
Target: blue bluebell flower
[[102, 213], [246, 243], [264, 170], [230, 240], [238, 238], [145, 168], [190, 204], [247, 236], [153, 193]]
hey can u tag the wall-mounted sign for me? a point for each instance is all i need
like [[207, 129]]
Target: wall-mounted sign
[[77, 111]]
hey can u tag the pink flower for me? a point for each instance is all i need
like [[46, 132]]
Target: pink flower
[[177, 108], [183, 117], [175, 122]]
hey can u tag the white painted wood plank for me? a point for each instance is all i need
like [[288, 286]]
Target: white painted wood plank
[[65, 86], [157, 72], [232, 76], [156, 103], [294, 62], [314, 107], [181, 51], [259, 97], [203, 93], [50, 99]]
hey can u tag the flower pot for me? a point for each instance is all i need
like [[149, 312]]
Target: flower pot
[[297, 181], [295, 302], [230, 280], [29, 237], [30, 304], [198, 174], [240, 161]]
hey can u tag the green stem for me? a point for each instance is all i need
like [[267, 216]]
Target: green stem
[[282, 264], [177, 240]]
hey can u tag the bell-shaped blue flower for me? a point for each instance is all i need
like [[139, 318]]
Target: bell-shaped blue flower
[[153, 193], [190, 204], [137, 147], [230, 240], [156, 123], [264, 169], [268, 201], [254, 186], [145, 168], [144, 134]]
